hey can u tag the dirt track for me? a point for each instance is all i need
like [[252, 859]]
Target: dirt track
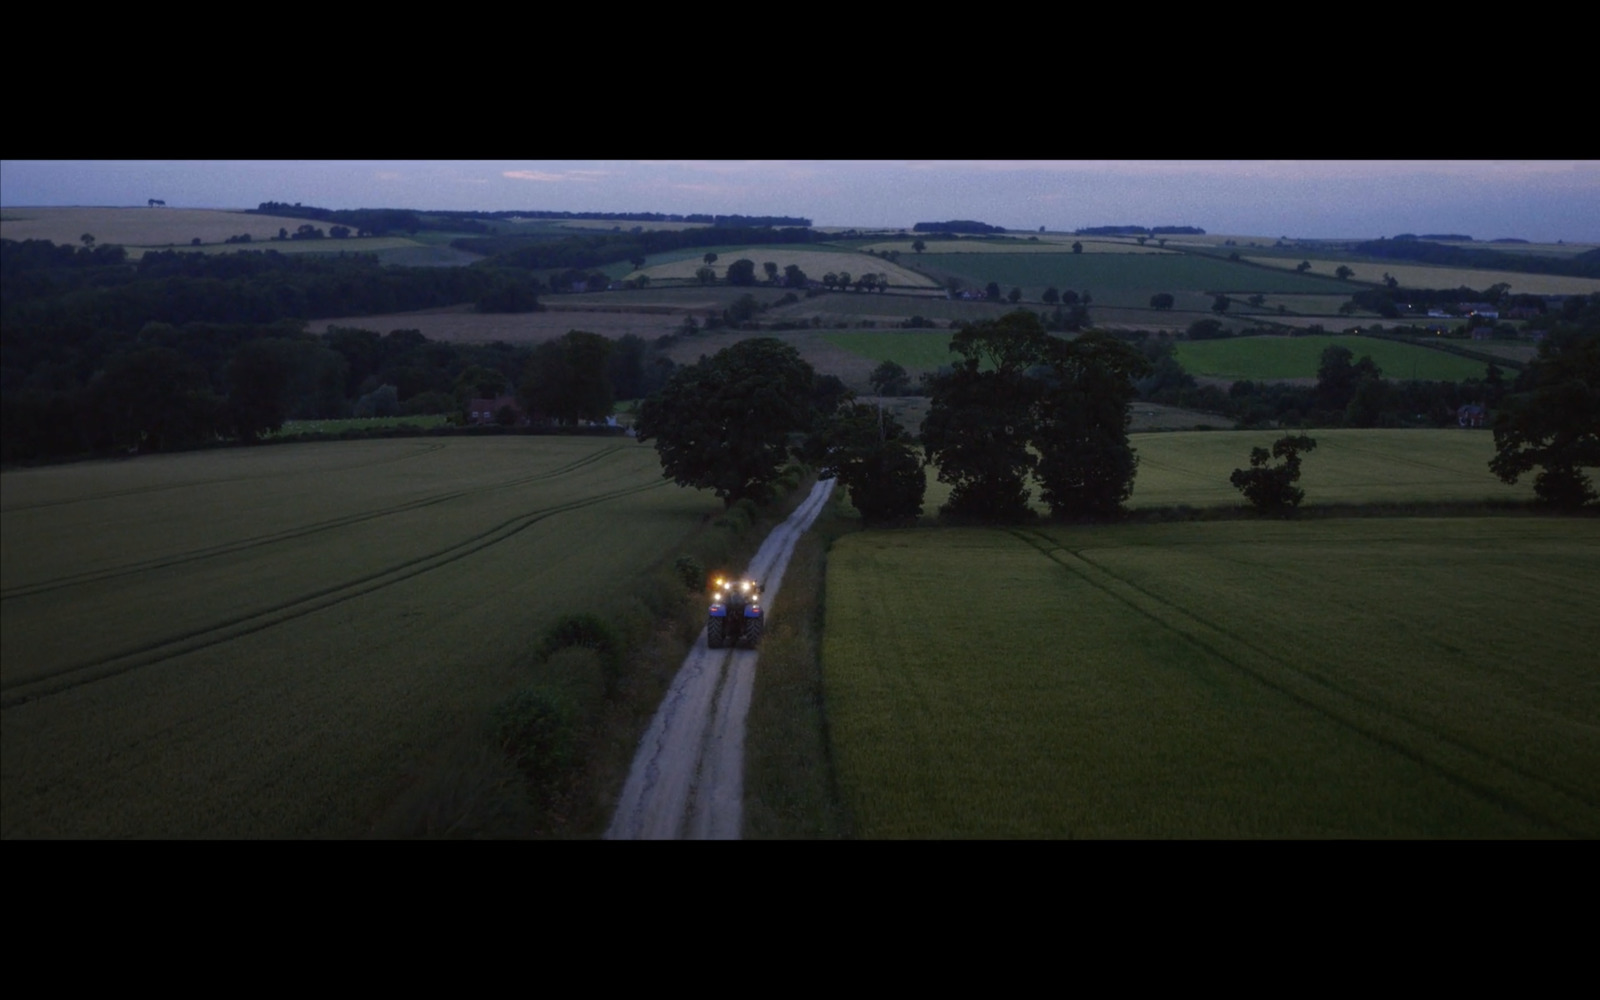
[[687, 779]]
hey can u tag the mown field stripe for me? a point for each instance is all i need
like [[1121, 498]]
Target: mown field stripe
[[228, 548], [164, 649], [1389, 728]]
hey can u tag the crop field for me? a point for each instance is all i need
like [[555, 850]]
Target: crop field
[[1348, 678], [1349, 466], [464, 325], [161, 227], [815, 263], [262, 642], [1299, 357], [1421, 276], [1122, 279], [913, 350], [1047, 243]]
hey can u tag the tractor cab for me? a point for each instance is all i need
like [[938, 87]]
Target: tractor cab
[[736, 613]]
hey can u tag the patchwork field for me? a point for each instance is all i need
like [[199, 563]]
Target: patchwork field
[[261, 642], [815, 263], [1122, 279], [1421, 276], [1329, 678], [1348, 466], [1299, 357], [140, 228]]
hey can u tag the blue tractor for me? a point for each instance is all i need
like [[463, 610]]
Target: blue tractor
[[735, 613]]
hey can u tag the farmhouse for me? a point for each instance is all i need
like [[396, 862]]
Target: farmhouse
[[483, 411]]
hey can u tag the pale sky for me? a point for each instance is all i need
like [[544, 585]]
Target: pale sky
[[1539, 200]]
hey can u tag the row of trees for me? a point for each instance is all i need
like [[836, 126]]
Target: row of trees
[[1020, 403]]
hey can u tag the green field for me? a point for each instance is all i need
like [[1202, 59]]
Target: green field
[[1349, 466], [262, 642], [1330, 678], [913, 350], [1123, 279], [1299, 357]]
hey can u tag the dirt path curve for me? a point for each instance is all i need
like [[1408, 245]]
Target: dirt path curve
[[687, 779]]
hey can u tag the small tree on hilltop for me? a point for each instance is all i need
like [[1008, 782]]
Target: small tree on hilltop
[[1271, 487]]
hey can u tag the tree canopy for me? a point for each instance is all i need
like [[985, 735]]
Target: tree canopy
[[724, 424], [872, 456], [1552, 422], [566, 381]]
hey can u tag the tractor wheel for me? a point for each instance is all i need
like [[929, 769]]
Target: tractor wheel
[[752, 632], [714, 633]]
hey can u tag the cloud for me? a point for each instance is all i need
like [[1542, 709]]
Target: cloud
[[533, 175]]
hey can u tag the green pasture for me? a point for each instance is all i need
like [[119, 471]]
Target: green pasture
[[1299, 357], [1347, 678], [1122, 279], [262, 642], [913, 350], [1349, 466]]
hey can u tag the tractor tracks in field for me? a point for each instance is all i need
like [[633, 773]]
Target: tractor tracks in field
[[214, 634], [1479, 772], [687, 777], [290, 534], [137, 490]]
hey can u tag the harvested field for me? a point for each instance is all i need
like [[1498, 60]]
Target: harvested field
[[815, 263], [160, 228]]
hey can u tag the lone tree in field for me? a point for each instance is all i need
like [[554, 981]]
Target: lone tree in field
[[1161, 300], [724, 424], [890, 379], [1552, 423], [1271, 487]]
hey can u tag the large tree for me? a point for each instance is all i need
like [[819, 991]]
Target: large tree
[[567, 380], [724, 424], [1271, 488], [872, 456], [742, 272], [1552, 423], [1086, 464], [980, 419]]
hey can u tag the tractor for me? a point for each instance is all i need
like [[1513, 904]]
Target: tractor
[[735, 613]]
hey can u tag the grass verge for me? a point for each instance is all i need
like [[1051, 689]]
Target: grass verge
[[791, 791]]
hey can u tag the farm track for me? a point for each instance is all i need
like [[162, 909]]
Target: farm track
[[687, 778], [166, 648], [116, 494], [229, 548], [1500, 780]]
